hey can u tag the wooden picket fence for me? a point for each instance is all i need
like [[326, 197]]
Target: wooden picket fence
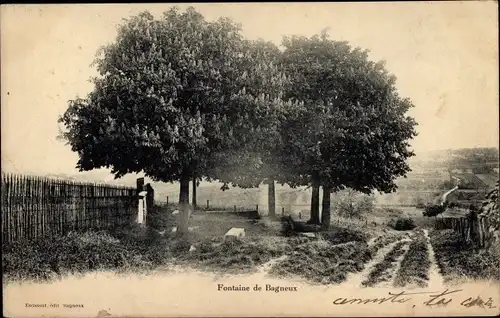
[[35, 206], [473, 229]]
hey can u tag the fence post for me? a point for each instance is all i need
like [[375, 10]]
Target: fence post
[[142, 208], [208, 204], [150, 198], [139, 185], [140, 203], [282, 211], [167, 200]]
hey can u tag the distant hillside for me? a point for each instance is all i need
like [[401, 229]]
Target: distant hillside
[[481, 159]]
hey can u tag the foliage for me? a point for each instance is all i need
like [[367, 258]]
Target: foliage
[[176, 97], [339, 235], [321, 262], [415, 265], [381, 269], [235, 256], [478, 159], [351, 128], [180, 98], [402, 223], [352, 204], [490, 207], [456, 258], [50, 257], [434, 210], [384, 240]]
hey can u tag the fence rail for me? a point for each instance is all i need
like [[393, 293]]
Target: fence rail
[[470, 228], [36, 206]]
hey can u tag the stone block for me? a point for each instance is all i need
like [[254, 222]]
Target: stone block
[[308, 234], [234, 233]]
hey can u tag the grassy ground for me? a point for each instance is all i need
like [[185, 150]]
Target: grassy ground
[[321, 262], [385, 239], [458, 259], [415, 265], [327, 259], [380, 270]]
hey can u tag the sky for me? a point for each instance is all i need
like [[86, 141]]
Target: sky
[[444, 54]]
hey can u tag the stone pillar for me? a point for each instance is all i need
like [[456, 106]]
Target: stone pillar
[[142, 208]]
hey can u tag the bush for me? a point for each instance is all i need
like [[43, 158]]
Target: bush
[[287, 226], [352, 204], [339, 235], [434, 210], [160, 216], [402, 223]]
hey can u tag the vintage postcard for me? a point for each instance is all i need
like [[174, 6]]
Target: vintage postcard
[[250, 159]]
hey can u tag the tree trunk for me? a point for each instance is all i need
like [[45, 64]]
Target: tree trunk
[[325, 212], [194, 193], [184, 205], [314, 205], [271, 200]]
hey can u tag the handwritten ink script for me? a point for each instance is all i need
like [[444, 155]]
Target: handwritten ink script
[[428, 299]]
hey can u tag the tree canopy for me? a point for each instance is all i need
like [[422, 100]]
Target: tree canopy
[[177, 98], [351, 131], [176, 95], [180, 98]]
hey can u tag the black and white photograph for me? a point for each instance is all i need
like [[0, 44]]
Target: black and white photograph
[[333, 159]]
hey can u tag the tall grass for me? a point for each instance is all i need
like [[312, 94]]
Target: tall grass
[[458, 258], [380, 270], [415, 265]]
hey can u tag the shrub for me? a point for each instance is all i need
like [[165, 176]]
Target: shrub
[[160, 217], [402, 223], [434, 210], [287, 226], [352, 204], [339, 235]]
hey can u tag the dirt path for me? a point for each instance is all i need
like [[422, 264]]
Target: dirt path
[[435, 277], [264, 269], [390, 275], [355, 279]]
